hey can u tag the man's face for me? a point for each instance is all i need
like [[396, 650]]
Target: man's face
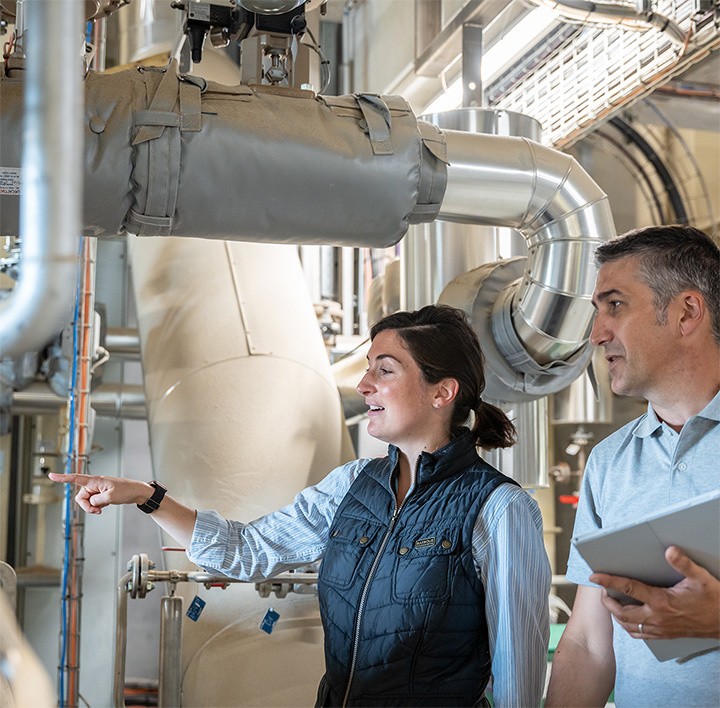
[[638, 349]]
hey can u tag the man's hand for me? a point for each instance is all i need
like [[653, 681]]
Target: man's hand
[[98, 492], [691, 608]]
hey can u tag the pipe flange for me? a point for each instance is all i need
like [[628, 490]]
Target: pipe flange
[[139, 584], [477, 292]]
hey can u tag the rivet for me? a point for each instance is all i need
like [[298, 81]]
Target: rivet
[[363, 540], [446, 544], [403, 550], [97, 124]]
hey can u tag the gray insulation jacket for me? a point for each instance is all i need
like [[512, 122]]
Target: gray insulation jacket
[[173, 155]]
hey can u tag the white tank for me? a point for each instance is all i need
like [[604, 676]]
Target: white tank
[[243, 412]]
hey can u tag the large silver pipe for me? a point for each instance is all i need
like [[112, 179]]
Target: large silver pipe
[[562, 214], [41, 303], [125, 401], [169, 686]]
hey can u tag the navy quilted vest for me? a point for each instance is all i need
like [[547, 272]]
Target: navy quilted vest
[[402, 606]]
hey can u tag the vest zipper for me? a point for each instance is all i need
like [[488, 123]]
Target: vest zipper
[[366, 587]]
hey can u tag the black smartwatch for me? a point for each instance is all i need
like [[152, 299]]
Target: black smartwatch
[[154, 502]]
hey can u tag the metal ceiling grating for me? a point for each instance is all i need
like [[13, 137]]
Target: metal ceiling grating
[[607, 67]]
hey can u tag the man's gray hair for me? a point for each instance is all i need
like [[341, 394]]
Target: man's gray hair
[[672, 259]]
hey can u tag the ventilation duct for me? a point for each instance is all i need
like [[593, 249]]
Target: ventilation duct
[[295, 168], [532, 315], [350, 170]]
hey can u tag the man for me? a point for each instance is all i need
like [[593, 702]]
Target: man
[[658, 318]]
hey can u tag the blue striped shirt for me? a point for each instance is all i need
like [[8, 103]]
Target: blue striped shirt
[[508, 552]]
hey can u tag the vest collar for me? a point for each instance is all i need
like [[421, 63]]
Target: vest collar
[[452, 457]]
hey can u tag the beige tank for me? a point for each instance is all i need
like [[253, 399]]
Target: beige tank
[[243, 412]]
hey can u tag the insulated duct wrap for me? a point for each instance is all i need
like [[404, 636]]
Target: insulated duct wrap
[[156, 144]]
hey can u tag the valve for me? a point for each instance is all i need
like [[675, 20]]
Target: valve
[[140, 565]]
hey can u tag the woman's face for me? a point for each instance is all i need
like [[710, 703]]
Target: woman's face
[[403, 407]]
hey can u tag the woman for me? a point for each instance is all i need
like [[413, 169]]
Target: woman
[[433, 573]]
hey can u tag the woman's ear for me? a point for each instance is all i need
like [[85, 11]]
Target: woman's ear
[[446, 391]]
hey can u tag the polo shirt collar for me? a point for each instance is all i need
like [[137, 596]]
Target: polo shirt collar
[[649, 423]]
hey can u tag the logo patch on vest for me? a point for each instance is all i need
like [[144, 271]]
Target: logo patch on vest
[[425, 542]]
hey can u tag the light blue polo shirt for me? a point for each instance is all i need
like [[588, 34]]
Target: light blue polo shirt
[[640, 469]]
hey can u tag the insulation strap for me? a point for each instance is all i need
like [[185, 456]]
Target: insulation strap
[[164, 118], [175, 107], [161, 223], [377, 118], [432, 180], [190, 107]]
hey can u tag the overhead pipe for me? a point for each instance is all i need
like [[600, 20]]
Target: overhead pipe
[[617, 13], [563, 215], [41, 303], [350, 170]]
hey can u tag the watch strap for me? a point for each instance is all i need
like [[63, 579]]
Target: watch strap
[[153, 503]]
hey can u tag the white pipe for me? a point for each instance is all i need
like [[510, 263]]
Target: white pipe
[[41, 303], [617, 14]]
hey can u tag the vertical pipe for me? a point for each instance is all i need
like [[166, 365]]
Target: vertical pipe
[[99, 38], [120, 641], [328, 277], [18, 48], [347, 275], [169, 693], [41, 302]]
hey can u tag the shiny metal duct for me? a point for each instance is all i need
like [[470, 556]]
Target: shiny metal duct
[[302, 170], [47, 132], [435, 254], [588, 399], [536, 314], [147, 29]]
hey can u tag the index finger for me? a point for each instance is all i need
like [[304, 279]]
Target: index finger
[[79, 479]]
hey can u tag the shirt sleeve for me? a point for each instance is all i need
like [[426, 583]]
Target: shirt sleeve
[[290, 537], [510, 557]]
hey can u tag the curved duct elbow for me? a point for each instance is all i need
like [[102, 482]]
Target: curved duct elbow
[[296, 167], [533, 316]]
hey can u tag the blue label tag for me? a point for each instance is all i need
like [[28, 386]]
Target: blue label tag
[[196, 607], [268, 622]]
